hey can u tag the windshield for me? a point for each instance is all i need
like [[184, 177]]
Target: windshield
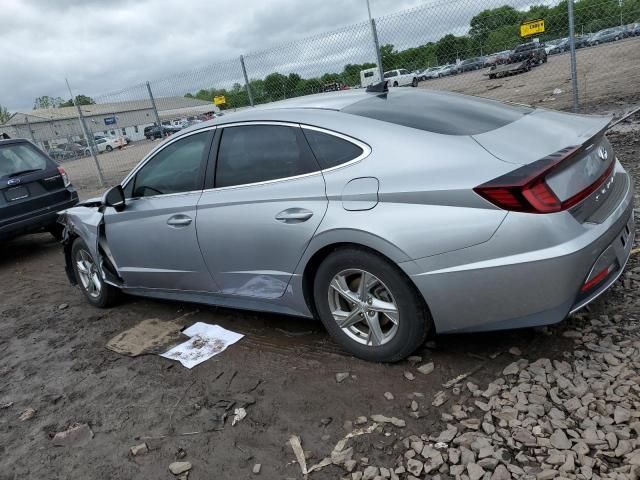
[[20, 157]]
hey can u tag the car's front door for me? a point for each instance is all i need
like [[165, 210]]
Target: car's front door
[[153, 240], [267, 202]]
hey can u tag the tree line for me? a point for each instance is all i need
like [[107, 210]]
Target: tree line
[[490, 31]]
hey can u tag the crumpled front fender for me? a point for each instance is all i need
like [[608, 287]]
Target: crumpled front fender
[[81, 222]]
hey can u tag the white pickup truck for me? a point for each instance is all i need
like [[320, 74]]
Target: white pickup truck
[[401, 78]]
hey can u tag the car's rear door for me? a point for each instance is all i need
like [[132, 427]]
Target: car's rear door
[[266, 202], [153, 240], [30, 183]]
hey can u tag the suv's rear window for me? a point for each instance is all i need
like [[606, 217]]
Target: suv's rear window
[[16, 158], [439, 112]]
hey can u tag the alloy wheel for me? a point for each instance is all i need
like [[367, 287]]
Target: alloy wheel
[[363, 307], [88, 273]]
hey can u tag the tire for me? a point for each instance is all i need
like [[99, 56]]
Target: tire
[[492, 76], [388, 286], [395, 84], [56, 231], [109, 148], [414, 82], [102, 296]]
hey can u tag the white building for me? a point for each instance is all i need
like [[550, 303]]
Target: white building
[[53, 126]]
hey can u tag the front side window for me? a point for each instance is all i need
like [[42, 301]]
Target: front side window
[[404, 72], [390, 74], [174, 169], [329, 150], [258, 153]]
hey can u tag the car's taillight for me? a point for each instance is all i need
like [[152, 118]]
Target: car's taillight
[[526, 190], [65, 177]]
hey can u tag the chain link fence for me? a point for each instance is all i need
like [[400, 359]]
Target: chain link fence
[[466, 46]]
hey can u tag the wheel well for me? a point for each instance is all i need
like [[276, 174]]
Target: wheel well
[[317, 258]]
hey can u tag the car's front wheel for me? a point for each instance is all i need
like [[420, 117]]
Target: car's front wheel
[[109, 148], [369, 307], [414, 82], [88, 277]]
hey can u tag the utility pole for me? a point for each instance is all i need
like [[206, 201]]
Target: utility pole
[[90, 144], [376, 44], [572, 47]]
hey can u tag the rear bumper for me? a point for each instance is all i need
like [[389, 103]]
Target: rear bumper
[[535, 279], [37, 219]]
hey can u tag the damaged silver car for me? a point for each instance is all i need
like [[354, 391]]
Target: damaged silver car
[[386, 214]]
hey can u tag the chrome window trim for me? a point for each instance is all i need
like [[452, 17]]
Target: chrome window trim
[[366, 151], [157, 150]]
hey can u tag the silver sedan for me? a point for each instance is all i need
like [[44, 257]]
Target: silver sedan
[[388, 215]]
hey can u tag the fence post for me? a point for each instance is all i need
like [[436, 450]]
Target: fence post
[[155, 109], [376, 44], [572, 47], [90, 142], [246, 80], [26, 120]]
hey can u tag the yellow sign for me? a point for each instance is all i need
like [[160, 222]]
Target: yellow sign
[[531, 27], [219, 100]]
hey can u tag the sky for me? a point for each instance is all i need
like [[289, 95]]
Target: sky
[[104, 47]]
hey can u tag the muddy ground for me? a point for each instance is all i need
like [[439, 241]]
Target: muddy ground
[[53, 359]]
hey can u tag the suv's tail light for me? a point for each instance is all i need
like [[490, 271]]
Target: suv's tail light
[[65, 177], [526, 190]]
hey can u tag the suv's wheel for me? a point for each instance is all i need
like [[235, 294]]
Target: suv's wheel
[[414, 82], [93, 287], [109, 148], [369, 307], [56, 231], [395, 84]]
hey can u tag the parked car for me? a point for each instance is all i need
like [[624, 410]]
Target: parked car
[[428, 73], [308, 207], [447, 70], [401, 78], [469, 64], [560, 46], [60, 154], [533, 51], [634, 29], [606, 35], [33, 188], [105, 144], [157, 132]]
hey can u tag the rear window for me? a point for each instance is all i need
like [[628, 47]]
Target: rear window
[[20, 158], [439, 112]]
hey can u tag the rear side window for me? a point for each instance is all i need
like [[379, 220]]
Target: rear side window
[[329, 150], [439, 112], [20, 158], [258, 153]]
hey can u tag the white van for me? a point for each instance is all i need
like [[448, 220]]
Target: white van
[[369, 76]]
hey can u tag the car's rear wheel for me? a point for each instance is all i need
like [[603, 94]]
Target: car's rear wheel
[[414, 82], [88, 277], [395, 84], [109, 148], [369, 307]]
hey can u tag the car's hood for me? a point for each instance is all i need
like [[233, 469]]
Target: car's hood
[[540, 133]]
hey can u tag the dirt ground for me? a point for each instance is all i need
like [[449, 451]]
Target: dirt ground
[[53, 359]]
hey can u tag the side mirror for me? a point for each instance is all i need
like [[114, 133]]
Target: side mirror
[[114, 198]]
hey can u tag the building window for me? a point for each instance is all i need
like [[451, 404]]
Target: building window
[[124, 132], [135, 128]]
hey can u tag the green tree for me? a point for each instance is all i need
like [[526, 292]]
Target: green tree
[[275, 85], [46, 101], [491, 19], [80, 100], [503, 38], [5, 115]]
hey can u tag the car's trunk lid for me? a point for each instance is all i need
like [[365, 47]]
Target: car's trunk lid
[[544, 134]]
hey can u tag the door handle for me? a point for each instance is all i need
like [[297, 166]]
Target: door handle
[[179, 221], [294, 215]]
